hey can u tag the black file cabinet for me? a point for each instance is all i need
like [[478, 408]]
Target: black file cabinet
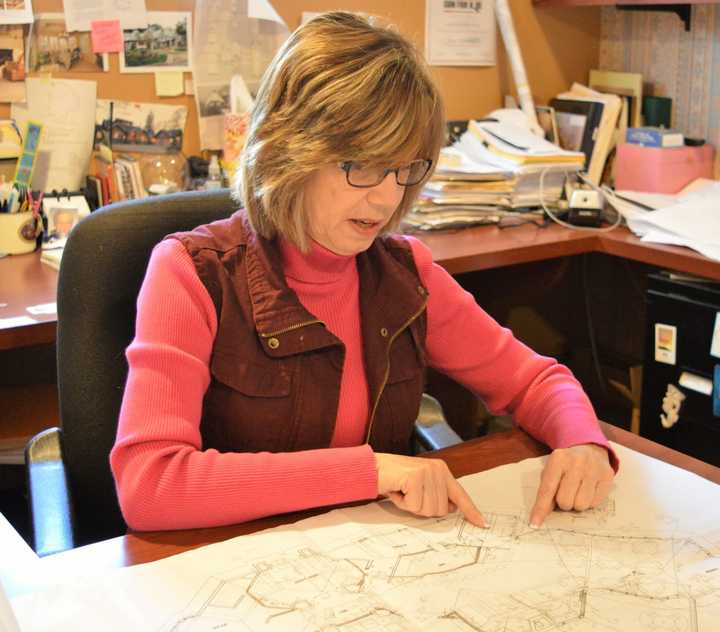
[[677, 409]]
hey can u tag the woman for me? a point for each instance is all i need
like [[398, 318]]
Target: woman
[[279, 355]]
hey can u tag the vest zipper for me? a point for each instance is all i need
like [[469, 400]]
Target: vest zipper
[[292, 328], [387, 367]]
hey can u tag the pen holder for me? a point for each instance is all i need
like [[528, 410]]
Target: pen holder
[[18, 233]]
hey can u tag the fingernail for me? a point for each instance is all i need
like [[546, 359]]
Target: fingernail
[[534, 525]]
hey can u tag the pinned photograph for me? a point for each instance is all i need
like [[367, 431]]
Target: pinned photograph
[[16, 12], [164, 45], [148, 127], [12, 64], [55, 49], [213, 100]]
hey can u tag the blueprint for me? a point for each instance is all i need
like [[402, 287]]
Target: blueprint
[[648, 560]]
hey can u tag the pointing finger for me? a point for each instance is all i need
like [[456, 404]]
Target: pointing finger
[[459, 497], [545, 500]]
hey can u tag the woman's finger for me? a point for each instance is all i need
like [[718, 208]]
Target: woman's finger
[[464, 503], [585, 493], [545, 500]]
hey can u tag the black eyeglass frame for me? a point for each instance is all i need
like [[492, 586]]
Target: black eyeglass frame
[[347, 166]]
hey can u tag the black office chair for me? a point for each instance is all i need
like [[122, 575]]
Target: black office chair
[[71, 490]]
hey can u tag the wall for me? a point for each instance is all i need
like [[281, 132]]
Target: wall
[[559, 46], [684, 66]]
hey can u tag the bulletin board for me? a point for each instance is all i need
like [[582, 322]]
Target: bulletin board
[[559, 46]]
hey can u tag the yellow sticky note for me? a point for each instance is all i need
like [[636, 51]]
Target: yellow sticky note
[[169, 84]]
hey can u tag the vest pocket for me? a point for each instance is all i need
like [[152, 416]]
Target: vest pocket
[[253, 380], [406, 360], [248, 406]]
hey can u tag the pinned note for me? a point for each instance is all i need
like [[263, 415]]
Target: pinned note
[[106, 36], [169, 84]]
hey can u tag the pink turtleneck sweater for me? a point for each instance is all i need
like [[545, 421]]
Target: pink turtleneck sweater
[[165, 480]]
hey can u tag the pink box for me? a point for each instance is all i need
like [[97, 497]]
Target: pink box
[[661, 169]]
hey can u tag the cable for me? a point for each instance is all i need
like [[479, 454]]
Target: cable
[[591, 326], [556, 219]]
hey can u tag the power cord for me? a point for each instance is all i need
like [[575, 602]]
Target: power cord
[[591, 326], [556, 219]]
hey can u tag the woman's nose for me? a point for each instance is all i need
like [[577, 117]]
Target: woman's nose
[[388, 192]]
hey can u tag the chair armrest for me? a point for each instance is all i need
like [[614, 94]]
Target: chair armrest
[[432, 432], [48, 494]]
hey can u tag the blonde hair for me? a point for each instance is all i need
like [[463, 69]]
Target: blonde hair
[[340, 88]]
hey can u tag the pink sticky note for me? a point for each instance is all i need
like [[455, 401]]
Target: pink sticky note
[[106, 36]]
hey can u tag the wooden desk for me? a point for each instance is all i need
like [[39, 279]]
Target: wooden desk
[[489, 247], [26, 281], [24, 572]]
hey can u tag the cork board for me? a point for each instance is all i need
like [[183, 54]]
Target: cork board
[[559, 46]]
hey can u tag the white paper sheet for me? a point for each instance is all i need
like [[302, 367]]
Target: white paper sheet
[[227, 41], [42, 308], [263, 10], [690, 218], [460, 33], [647, 556], [66, 108], [8, 622], [16, 321], [80, 13]]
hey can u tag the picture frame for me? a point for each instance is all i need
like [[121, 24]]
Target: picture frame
[[628, 85], [63, 212], [577, 122]]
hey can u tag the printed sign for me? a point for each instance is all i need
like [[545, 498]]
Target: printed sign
[[665, 343]]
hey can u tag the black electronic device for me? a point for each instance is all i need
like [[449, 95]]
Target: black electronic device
[[584, 216], [584, 202]]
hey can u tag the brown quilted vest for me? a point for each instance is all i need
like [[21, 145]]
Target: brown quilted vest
[[276, 369]]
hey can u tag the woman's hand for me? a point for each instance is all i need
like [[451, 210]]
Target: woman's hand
[[577, 478], [424, 487]]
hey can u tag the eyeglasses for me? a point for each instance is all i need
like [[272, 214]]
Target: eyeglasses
[[364, 176]]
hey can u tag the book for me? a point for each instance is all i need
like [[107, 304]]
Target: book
[[604, 136], [628, 85], [654, 137]]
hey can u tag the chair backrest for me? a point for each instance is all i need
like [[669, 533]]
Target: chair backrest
[[102, 269]]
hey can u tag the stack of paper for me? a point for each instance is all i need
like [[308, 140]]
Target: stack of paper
[[493, 170], [691, 218]]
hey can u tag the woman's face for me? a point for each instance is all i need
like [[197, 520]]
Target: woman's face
[[346, 219]]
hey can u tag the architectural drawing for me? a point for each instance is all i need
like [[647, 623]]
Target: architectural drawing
[[648, 560], [466, 578]]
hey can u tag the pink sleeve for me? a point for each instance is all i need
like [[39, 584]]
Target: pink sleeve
[[164, 478], [465, 343]]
